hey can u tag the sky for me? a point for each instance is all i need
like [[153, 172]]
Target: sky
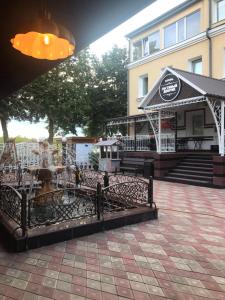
[[99, 47]]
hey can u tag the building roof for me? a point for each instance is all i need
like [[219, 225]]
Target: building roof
[[112, 142], [162, 18], [211, 87], [193, 85], [87, 20]]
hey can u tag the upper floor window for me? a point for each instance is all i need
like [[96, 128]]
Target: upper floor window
[[146, 46], [170, 35], [154, 42], [220, 9], [193, 24], [137, 50], [182, 29]]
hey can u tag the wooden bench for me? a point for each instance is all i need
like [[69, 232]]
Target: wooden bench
[[132, 164]]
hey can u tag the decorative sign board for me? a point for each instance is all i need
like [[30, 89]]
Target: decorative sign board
[[169, 87]]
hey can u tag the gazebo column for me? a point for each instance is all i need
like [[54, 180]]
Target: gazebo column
[[222, 129], [159, 133], [135, 135]]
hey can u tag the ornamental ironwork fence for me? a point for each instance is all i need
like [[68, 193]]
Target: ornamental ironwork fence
[[74, 204]]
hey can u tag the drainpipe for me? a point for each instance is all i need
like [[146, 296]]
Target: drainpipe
[[209, 38]]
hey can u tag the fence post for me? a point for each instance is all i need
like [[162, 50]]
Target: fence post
[[24, 213], [150, 191], [99, 200]]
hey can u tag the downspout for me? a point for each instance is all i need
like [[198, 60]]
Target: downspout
[[209, 38], [128, 88]]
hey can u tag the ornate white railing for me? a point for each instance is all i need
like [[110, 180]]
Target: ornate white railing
[[26, 157], [146, 142], [25, 154], [141, 143], [168, 142]]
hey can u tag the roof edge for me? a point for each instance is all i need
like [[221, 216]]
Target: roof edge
[[161, 18]]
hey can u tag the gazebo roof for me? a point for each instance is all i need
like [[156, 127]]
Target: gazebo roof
[[112, 142], [193, 86]]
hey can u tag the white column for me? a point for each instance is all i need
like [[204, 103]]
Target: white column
[[110, 156], [159, 133], [222, 128]]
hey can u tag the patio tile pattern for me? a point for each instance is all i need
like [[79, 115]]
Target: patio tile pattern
[[179, 256]]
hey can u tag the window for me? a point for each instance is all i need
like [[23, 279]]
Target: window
[[224, 63], [154, 42], [146, 46], [197, 124], [196, 66], [143, 86], [193, 24], [170, 35], [182, 29], [220, 8], [137, 50]]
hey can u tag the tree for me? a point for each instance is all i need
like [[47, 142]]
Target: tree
[[108, 91], [79, 92], [10, 107], [60, 95]]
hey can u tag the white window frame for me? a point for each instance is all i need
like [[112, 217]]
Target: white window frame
[[132, 49], [157, 31], [185, 28], [223, 63], [215, 11], [190, 63], [143, 48], [140, 85], [217, 15]]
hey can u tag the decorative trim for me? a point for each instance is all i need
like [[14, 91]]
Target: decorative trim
[[176, 103], [217, 30], [162, 18], [189, 42]]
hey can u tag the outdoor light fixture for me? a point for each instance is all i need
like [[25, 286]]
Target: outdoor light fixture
[[45, 40]]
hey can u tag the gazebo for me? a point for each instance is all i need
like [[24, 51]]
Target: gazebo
[[109, 155], [175, 91]]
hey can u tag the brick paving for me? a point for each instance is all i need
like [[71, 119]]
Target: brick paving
[[179, 256]]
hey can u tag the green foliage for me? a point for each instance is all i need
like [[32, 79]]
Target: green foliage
[[79, 92], [108, 92]]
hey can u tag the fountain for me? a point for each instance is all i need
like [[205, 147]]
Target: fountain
[[46, 168], [34, 215]]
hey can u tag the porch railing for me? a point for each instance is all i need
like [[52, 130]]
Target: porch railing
[[144, 143], [168, 142]]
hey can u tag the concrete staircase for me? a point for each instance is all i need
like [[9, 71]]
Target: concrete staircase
[[195, 169]]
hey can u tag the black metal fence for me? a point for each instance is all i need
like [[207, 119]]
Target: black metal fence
[[93, 200], [59, 206]]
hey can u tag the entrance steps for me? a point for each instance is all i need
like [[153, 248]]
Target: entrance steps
[[194, 169]]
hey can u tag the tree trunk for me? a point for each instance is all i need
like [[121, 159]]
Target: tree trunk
[[4, 130], [50, 131]]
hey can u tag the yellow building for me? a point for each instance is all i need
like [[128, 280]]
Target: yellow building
[[176, 93], [190, 37]]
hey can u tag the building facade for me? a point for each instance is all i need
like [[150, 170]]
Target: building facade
[[182, 50], [191, 37]]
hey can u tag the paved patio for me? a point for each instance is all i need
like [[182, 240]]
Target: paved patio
[[179, 256]]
